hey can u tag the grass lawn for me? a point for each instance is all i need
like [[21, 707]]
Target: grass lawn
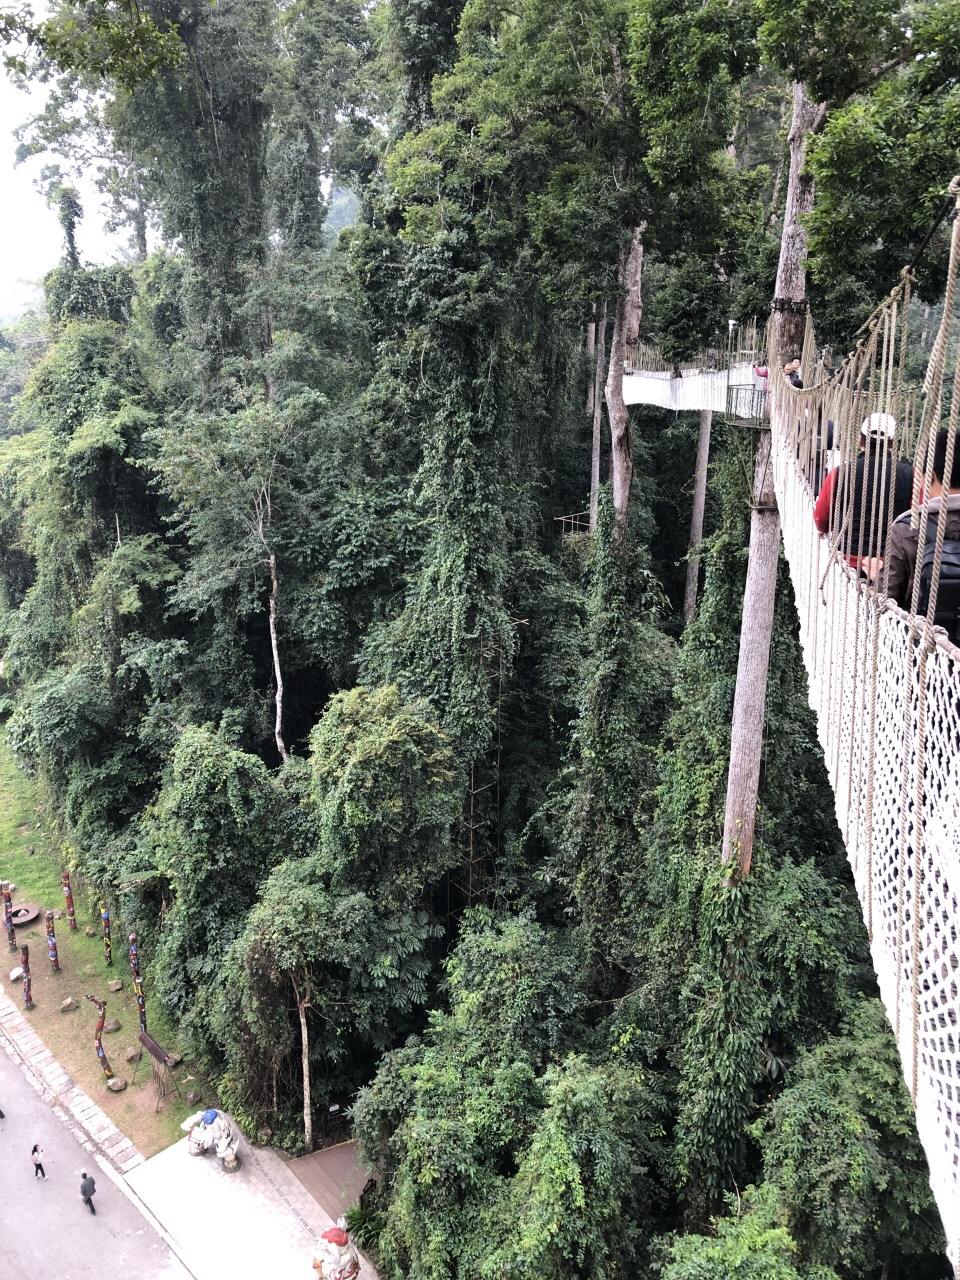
[[69, 1036]]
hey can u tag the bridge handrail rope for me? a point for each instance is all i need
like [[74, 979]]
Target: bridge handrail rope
[[885, 682]]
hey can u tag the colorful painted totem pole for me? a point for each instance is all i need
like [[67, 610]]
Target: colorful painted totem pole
[[105, 919], [8, 915], [25, 966], [68, 894], [138, 982], [52, 943], [98, 1035]]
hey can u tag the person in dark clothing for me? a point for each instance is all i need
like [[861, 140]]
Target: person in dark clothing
[[87, 1190], [863, 498], [37, 1166], [905, 543], [791, 371]]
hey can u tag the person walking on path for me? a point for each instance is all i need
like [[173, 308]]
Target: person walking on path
[[37, 1152], [87, 1189]]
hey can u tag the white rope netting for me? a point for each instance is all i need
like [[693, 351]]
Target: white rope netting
[[885, 684], [883, 680]]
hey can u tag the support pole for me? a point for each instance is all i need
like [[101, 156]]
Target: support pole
[[25, 966], [107, 946], [756, 631], [68, 894], [696, 520], [52, 943], [8, 915]]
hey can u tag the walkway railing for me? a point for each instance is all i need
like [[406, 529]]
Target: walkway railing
[[883, 680], [885, 684]]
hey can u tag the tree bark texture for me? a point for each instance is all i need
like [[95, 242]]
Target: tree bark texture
[[626, 325], [275, 646], [302, 1006], [756, 630], [791, 286], [696, 520], [599, 373], [592, 373]]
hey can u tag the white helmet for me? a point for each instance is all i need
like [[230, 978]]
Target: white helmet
[[881, 426]]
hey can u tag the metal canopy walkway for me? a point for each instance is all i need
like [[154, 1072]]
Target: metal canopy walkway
[[883, 680]]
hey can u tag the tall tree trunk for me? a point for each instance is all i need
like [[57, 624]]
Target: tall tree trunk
[[626, 325], [591, 349], [696, 520], [303, 1004], [277, 673], [598, 376], [790, 293], [756, 630], [139, 219]]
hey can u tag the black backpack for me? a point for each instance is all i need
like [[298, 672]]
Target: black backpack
[[946, 611]]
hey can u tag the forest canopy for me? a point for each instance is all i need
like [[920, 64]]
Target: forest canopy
[[413, 797]]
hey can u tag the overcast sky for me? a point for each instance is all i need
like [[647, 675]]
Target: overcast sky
[[31, 241]]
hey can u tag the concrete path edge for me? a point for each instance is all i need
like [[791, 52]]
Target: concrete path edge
[[113, 1151]]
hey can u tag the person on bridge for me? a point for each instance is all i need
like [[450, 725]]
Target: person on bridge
[[905, 546], [860, 499]]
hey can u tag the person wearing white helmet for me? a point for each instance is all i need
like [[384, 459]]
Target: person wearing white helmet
[[860, 500]]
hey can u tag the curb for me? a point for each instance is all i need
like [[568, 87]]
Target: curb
[[114, 1153], [58, 1088]]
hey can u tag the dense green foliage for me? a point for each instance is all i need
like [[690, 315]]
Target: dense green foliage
[[411, 797]]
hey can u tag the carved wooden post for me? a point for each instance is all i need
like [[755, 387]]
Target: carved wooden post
[[8, 915], [25, 966], [105, 921], [68, 894], [138, 982], [98, 1034], [52, 943]]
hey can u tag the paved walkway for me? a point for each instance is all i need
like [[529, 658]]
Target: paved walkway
[[46, 1233], [259, 1221]]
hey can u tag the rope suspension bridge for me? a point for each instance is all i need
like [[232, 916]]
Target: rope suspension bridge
[[884, 681]]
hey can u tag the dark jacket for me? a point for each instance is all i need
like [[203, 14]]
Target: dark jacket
[[87, 1187], [904, 544], [861, 494]]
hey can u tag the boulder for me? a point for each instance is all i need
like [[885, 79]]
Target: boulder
[[117, 1084], [111, 1024], [193, 1097], [115, 985], [68, 1004], [16, 974], [134, 1053], [58, 915], [89, 932], [30, 851], [174, 1059]]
